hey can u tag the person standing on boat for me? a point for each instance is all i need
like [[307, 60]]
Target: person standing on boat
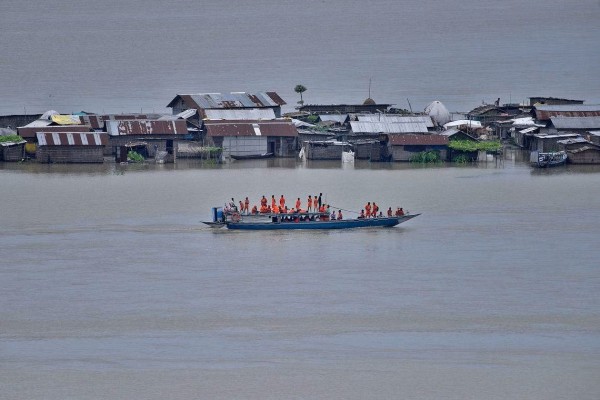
[[298, 204], [368, 210], [263, 201], [282, 202], [320, 194], [247, 205], [375, 210], [389, 212], [273, 201], [310, 203]]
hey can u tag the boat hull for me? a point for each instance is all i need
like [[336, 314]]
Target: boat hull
[[338, 224]]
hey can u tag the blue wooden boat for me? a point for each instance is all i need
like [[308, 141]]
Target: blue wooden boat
[[293, 221]]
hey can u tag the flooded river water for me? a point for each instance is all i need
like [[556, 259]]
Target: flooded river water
[[110, 287]]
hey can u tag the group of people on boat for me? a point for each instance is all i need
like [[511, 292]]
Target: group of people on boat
[[315, 209]]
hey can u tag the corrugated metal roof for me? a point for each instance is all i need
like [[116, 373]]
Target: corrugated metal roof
[[241, 114], [576, 122], [567, 107], [418, 140], [30, 132], [564, 135], [146, 127], [529, 130], [449, 132], [72, 139], [385, 127], [426, 119], [97, 121], [546, 112], [250, 128], [230, 100], [9, 144]]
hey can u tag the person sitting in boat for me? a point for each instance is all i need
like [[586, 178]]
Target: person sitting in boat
[[232, 205], [333, 215], [339, 215], [275, 209], [362, 214], [399, 212], [254, 210], [380, 214]]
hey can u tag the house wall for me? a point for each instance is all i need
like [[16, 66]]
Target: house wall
[[70, 154], [15, 121], [591, 156], [244, 145], [12, 153], [321, 152], [404, 153], [115, 142], [284, 146]]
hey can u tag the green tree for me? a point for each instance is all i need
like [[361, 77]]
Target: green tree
[[300, 89]]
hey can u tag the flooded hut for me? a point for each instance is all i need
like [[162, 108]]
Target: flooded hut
[[404, 147], [253, 138], [71, 147]]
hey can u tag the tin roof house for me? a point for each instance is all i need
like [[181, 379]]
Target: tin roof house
[[202, 102], [404, 147], [253, 138], [150, 138], [71, 147]]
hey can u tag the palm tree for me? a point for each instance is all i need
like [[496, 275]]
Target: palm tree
[[300, 89]]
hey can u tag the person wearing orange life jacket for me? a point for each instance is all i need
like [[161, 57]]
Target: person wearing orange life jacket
[[368, 210], [275, 209], [282, 202], [241, 207], [273, 201], [246, 205], [254, 210], [298, 203], [375, 210], [263, 201], [309, 208]]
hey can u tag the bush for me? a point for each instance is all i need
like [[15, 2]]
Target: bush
[[426, 157], [134, 156], [491, 146], [10, 139]]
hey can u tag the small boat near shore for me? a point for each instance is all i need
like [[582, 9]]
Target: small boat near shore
[[255, 222], [550, 159], [252, 156]]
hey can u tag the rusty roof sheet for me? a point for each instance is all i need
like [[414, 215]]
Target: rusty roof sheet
[[97, 121], [241, 114], [146, 127], [250, 128], [545, 112], [418, 140], [230, 100], [388, 127], [72, 139], [30, 132]]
